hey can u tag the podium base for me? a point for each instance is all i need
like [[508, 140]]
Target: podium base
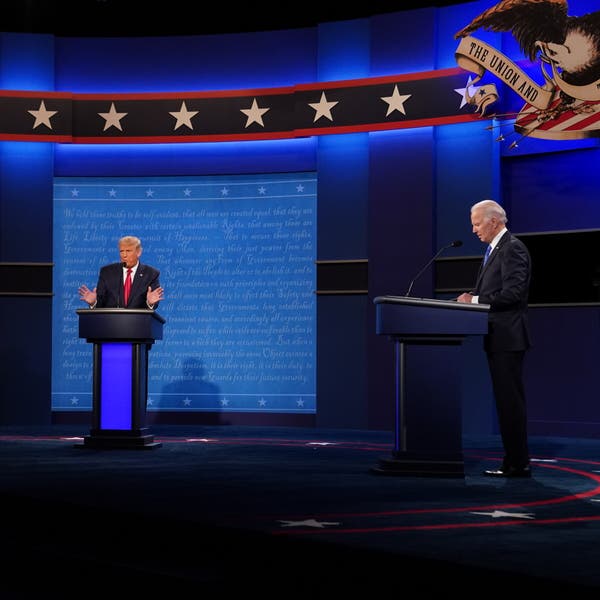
[[122, 440], [410, 465]]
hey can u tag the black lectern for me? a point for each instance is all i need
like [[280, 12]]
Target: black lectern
[[122, 338], [428, 426]]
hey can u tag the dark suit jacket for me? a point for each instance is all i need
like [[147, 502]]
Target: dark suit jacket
[[503, 283], [109, 291]]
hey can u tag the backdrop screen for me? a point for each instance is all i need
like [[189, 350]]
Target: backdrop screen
[[237, 261]]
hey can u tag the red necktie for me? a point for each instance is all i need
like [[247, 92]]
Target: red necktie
[[127, 286]]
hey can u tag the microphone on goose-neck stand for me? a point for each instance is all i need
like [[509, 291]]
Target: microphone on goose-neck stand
[[454, 244]]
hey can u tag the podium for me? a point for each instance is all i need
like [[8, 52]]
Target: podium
[[122, 338], [427, 335]]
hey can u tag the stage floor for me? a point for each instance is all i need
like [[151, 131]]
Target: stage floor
[[290, 512]]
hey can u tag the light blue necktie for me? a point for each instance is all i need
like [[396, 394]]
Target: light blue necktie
[[487, 254]]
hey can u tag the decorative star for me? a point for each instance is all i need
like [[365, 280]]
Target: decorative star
[[254, 114], [322, 108], [321, 443], [395, 102], [112, 193], [74, 401], [42, 116], [308, 523], [471, 89], [184, 116], [262, 190], [262, 402], [299, 188], [149, 193], [187, 192], [500, 513], [75, 193], [186, 401], [112, 118]]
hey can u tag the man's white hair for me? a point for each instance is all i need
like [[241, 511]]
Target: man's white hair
[[490, 208]]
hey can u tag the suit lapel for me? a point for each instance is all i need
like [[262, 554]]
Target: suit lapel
[[138, 282], [118, 283]]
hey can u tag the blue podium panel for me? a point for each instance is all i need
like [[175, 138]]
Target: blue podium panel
[[116, 386]]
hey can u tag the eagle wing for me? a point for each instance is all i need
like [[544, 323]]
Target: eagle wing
[[527, 20]]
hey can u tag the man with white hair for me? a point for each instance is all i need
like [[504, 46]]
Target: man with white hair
[[503, 283]]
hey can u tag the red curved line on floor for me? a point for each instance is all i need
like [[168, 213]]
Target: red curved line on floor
[[562, 500]]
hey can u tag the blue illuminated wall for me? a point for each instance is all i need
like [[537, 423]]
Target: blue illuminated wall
[[390, 197]]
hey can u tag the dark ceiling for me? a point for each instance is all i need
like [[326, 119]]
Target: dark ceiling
[[133, 18]]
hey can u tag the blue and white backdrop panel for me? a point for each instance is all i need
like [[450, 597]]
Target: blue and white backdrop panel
[[237, 260]]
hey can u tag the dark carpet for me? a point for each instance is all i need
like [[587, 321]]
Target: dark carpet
[[287, 512]]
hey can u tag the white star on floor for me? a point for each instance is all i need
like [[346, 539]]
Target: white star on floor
[[254, 114], [395, 102], [112, 118], [184, 116], [500, 513], [42, 116], [308, 523], [322, 108], [321, 443]]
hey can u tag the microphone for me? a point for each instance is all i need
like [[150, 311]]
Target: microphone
[[454, 244]]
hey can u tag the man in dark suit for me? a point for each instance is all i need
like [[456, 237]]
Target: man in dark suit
[[144, 286], [503, 283]]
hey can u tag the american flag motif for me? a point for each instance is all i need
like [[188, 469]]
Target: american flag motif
[[561, 121]]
